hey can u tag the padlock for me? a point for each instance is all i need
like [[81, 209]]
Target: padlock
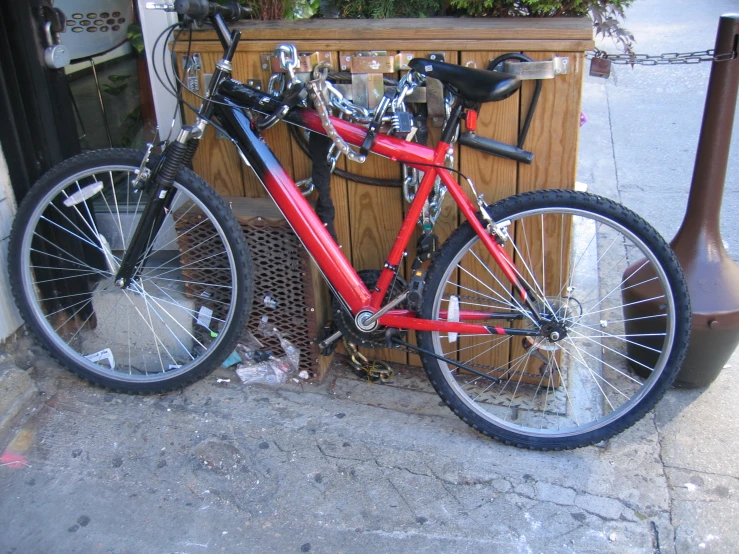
[[600, 66], [56, 55]]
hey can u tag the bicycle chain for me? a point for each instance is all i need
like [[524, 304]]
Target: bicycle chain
[[671, 58], [378, 370]]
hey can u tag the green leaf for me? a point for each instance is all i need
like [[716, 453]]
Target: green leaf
[[114, 90], [118, 78], [136, 37]]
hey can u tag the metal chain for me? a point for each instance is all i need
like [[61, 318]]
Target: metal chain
[[374, 370], [672, 58]]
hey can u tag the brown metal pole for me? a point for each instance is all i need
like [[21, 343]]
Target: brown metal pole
[[712, 276]]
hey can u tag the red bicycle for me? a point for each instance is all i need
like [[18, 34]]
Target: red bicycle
[[552, 319]]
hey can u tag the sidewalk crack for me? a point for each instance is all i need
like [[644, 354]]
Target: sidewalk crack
[[613, 145]]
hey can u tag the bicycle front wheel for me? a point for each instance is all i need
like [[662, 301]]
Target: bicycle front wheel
[[608, 285], [182, 313]]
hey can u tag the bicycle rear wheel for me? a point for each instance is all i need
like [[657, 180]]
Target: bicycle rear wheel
[[611, 361], [177, 320]]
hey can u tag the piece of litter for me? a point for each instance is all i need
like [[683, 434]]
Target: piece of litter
[[204, 316], [105, 354], [233, 359], [612, 537], [223, 380], [304, 374], [12, 459], [727, 366], [690, 486]]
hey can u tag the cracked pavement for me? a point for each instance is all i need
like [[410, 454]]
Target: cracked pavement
[[349, 467], [345, 466]]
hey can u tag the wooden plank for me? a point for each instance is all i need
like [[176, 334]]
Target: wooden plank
[[554, 133], [216, 160], [322, 300], [376, 214], [448, 220], [448, 28], [494, 177], [459, 44], [248, 65], [553, 138]]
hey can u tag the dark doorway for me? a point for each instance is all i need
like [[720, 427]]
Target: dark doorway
[[38, 126]]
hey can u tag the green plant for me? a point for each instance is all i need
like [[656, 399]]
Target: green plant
[[136, 38], [117, 86], [302, 9], [380, 9], [606, 14]]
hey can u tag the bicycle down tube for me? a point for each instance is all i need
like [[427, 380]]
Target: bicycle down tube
[[317, 240]]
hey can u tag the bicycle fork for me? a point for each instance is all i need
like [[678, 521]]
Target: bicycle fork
[[176, 155]]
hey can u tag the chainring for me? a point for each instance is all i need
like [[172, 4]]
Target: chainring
[[344, 320]]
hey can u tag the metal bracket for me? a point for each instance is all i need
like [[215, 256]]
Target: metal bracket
[[194, 63], [307, 61], [435, 96], [559, 65], [376, 61]]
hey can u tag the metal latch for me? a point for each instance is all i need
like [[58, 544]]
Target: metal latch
[[559, 65], [191, 67]]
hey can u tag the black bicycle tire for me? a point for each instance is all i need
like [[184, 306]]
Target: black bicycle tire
[[547, 198], [194, 185]]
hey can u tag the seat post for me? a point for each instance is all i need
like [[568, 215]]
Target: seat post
[[450, 127]]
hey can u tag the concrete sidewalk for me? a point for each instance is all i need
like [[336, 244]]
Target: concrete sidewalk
[[639, 144], [350, 467]]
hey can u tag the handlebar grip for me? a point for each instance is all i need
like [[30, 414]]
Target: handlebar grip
[[200, 9], [496, 148]]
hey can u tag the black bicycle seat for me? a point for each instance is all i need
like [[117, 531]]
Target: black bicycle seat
[[475, 85]]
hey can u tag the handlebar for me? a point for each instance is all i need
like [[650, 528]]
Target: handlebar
[[200, 9]]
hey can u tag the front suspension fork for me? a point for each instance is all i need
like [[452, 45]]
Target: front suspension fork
[[178, 154]]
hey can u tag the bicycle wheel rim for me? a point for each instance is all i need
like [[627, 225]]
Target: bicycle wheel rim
[[613, 413], [169, 365]]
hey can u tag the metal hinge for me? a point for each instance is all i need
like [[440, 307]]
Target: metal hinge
[[559, 65]]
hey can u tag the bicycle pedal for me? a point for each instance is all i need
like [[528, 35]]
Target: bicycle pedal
[[328, 329]]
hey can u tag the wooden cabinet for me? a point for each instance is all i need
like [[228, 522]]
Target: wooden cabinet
[[368, 217]]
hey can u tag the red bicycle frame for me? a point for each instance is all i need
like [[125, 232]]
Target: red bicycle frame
[[324, 249]]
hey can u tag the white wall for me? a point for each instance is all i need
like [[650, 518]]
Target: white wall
[[153, 22], [9, 318]]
